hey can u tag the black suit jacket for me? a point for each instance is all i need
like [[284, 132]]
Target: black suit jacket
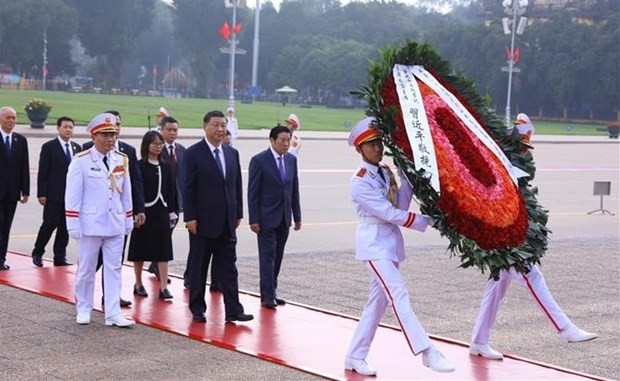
[[137, 187], [14, 169], [269, 199], [214, 202], [53, 166], [179, 174]]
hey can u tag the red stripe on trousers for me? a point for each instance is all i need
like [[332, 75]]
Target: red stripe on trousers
[[387, 290], [529, 286]]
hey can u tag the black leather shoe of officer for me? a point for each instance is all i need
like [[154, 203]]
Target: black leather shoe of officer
[[280, 302], [37, 260], [269, 304], [123, 302], [199, 318], [240, 317], [4, 266], [153, 268], [62, 263]]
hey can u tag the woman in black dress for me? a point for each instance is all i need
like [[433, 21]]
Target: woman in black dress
[[153, 240]]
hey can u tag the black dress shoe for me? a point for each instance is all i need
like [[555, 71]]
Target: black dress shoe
[[280, 302], [62, 263], [186, 283], [140, 291], [240, 317], [125, 303], [199, 318], [4, 266], [270, 304], [165, 294], [214, 288], [152, 268], [37, 261]]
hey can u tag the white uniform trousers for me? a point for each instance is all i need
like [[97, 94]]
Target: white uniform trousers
[[88, 251], [387, 287], [534, 282]]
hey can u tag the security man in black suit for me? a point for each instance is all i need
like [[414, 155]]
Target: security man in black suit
[[14, 176], [213, 209], [137, 189], [54, 160]]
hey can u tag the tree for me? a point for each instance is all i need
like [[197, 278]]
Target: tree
[[22, 27], [111, 36]]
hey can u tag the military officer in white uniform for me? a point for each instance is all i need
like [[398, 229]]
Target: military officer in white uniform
[[382, 208], [99, 214], [533, 281]]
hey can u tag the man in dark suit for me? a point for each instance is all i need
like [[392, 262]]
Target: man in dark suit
[[54, 160], [137, 188], [14, 176], [273, 197], [213, 209]]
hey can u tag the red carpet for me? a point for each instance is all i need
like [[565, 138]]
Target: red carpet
[[297, 336]]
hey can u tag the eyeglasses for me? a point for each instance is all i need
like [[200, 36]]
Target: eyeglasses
[[283, 140]]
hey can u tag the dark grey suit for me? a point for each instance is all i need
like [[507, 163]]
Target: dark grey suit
[[216, 204], [51, 184]]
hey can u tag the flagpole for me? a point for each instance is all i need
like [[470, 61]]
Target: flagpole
[[233, 47], [255, 52], [44, 58]]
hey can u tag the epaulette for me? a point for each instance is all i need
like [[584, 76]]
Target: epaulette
[[82, 153], [361, 172], [120, 153]]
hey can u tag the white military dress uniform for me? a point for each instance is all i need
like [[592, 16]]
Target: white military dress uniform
[[533, 281], [295, 138], [99, 214], [379, 243], [232, 125]]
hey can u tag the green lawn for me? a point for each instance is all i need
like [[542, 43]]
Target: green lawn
[[135, 109]]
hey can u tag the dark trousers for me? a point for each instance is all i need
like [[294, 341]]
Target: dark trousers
[[53, 219], [187, 277], [271, 243], [7, 212], [223, 251]]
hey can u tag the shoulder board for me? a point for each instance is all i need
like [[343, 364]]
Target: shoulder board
[[361, 172], [120, 153], [82, 153]]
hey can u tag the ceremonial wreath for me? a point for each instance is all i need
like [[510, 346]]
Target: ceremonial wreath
[[468, 174]]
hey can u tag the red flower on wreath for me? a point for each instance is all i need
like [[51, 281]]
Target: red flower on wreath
[[478, 196]]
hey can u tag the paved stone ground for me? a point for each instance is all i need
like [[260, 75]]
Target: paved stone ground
[[583, 275]]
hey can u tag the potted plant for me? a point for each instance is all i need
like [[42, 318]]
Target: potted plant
[[37, 110], [613, 129]]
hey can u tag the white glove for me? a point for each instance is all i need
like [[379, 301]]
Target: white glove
[[75, 234], [421, 222]]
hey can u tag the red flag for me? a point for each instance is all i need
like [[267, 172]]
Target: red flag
[[237, 28], [154, 71], [225, 31], [517, 56], [44, 70], [508, 55]]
